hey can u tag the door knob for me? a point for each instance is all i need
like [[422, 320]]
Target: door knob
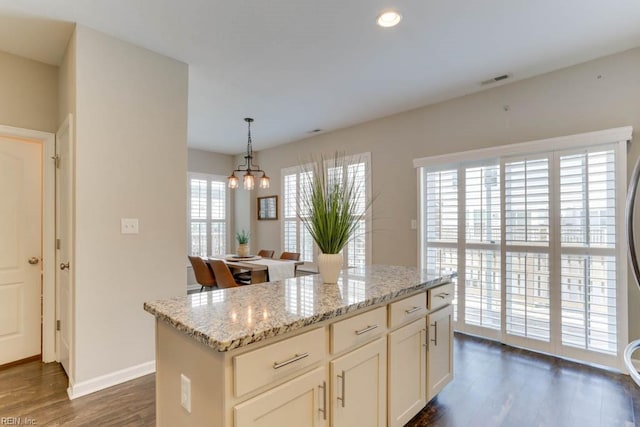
[[64, 266], [34, 260]]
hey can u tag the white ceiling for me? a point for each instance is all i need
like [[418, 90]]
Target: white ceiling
[[298, 65]]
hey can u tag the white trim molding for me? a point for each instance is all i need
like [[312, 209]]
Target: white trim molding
[[109, 380], [552, 144]]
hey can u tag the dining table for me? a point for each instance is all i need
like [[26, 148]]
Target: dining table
[[257, 266]]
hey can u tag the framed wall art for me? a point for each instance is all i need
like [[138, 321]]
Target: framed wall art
[[268, 207]]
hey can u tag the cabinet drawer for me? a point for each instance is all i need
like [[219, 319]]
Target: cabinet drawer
[[439, 296], [358, 329], [267, 364], [406, 310]]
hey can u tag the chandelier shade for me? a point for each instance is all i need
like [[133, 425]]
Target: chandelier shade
[[248, 168]]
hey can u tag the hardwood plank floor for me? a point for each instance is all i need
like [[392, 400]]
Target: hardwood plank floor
[[38, 392], [494, 385]]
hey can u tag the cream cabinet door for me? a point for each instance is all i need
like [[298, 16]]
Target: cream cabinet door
[[359, 387], [301, 402], [440, 350], [407, 372]]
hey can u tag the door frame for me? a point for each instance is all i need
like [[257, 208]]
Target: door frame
[[48, 142]]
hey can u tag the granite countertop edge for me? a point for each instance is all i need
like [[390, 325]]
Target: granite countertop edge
[[224, 346]]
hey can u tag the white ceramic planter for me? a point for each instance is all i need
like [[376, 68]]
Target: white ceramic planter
[[329, 266], [243, 249]]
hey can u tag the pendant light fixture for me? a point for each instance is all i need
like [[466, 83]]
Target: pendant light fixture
[[248, 180]]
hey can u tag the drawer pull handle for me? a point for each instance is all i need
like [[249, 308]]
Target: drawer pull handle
[[295, 358], [442, 295], [324, 400], [343, 377], [435, 333], [367, 329], [413, 310]]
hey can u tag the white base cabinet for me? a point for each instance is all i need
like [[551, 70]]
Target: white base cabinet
[[440, 350], [359, 387], [407, 372], [303, 399]]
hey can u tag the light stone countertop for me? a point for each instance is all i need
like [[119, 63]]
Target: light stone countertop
[[225, 319]]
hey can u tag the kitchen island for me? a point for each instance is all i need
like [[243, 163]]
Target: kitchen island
[[369, 350]]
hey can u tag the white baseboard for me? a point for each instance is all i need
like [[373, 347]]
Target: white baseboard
[[104, 381]]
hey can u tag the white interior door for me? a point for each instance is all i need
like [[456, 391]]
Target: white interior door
[[64, 242], [20, 249]]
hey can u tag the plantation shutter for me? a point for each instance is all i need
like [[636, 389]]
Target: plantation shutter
[[539, 235], [527, 229], [482, 235], [440, 224], [588, 240], [218, 217], [296, 238], [207, 214]]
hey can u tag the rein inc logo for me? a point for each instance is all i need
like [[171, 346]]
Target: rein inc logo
[[18, 421]]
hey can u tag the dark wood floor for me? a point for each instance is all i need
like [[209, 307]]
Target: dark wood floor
[[494, 385], [38, 392]]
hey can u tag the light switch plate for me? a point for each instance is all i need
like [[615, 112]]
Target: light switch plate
[[129, 225], [414, 224]]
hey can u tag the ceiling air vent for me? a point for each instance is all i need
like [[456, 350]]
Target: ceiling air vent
[[495, 79]]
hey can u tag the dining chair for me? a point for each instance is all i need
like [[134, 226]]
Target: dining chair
[[223, 275], [203, 273], [294, 256], [266, 253]]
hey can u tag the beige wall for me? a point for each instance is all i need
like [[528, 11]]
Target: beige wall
[[29, 93], [596, 95], [209, 162], [131, 162]]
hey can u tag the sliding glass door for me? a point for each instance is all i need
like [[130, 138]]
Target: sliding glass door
[[536, 241]]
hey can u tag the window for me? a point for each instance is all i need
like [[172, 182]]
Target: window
[[296, 238], [440, 220], [207, 215], [536, 239]]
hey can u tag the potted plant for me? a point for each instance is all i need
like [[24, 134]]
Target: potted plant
[[243, 243], [330, 207]]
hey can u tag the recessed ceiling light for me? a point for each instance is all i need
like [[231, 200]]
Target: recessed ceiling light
[[390, 18]]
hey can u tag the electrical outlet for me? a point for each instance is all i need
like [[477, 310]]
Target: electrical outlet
[[414, 224], [129, 225], [185, 392]]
